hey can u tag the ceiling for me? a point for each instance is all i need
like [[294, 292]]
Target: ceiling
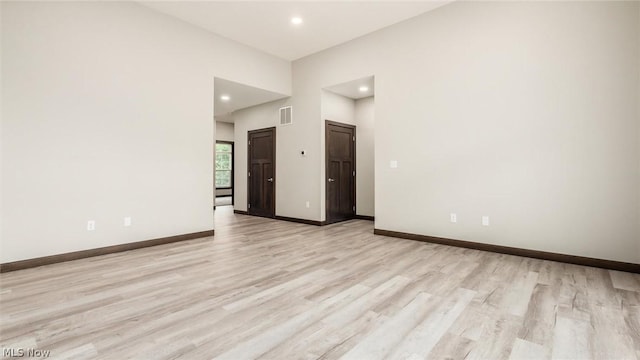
[[351, 89], [240, 96], [266, 25]]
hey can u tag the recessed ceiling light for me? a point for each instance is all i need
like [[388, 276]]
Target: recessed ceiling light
[[296, 20], [363, 89], [225, 97]]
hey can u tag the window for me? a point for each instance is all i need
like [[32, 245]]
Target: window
[[224, 164]]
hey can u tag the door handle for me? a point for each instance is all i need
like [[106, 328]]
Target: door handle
[[330, 180], [270, 179]]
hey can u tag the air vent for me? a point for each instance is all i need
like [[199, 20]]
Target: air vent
[[286, 116]]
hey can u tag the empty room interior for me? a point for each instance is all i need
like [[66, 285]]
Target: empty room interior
[[320, 179]]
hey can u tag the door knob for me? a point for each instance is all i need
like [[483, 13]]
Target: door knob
[[270, 179], [330, 180]]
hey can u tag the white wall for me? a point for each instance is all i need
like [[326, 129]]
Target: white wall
[[287, 158], [224, 131], [289, 161], [638, 103], [522, 111], [337, 108], [1, 136], [108, 112], [365, 163]]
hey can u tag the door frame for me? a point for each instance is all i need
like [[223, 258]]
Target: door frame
[[327, 123], [233, 169], [273, 207]]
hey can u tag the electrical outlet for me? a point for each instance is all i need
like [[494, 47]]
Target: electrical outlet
[[485, 221], [453, 217], [91, 225], [127, 221], [307, 204], [393, 164]]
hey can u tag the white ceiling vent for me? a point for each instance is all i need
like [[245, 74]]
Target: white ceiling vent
[[286, 115]]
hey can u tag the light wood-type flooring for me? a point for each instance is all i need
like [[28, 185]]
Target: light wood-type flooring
[[270, 289]]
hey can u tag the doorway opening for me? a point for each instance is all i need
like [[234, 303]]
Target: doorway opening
[[233, 104], [348, 112]]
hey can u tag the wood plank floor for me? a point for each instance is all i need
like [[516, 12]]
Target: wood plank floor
[[269, 289]]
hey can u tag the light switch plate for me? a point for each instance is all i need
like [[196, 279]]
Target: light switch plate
[[485, 221], [393, 164]]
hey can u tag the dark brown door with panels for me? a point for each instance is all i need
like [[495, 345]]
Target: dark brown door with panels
[[340, 182], [261, 192]]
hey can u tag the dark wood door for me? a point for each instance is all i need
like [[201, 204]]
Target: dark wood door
[[340, 144], [262, 174]]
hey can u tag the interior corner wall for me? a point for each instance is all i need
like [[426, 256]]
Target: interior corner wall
[[108, 112], [522, 111], [365, 160]]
